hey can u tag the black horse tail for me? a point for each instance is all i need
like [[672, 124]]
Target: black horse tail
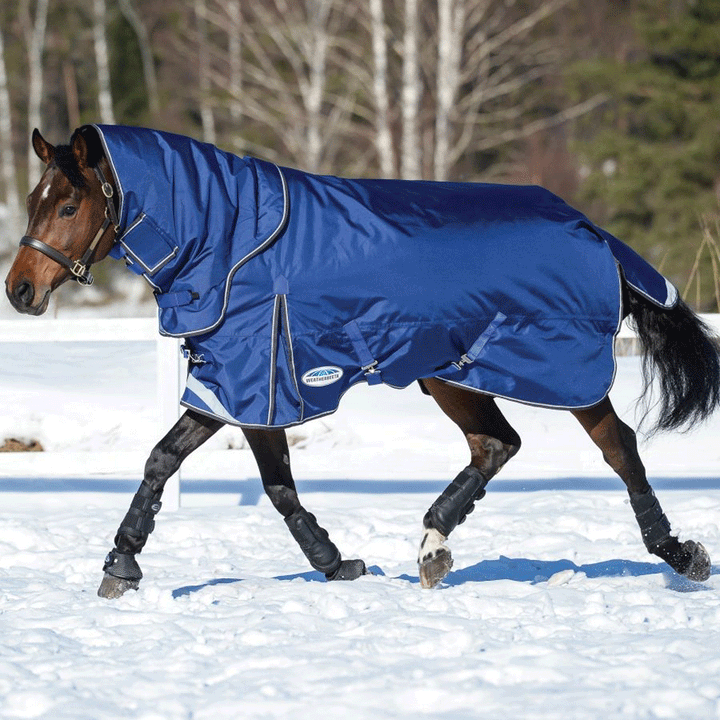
[[681, 352]]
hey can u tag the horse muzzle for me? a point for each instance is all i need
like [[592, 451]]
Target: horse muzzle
[[25, 298]]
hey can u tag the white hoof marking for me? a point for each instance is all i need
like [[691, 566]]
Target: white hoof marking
[[434, 558], [430, 545]]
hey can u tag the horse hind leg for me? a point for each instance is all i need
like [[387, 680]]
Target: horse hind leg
[[270, 448], [455, 503], [492, 443], [618, 444]]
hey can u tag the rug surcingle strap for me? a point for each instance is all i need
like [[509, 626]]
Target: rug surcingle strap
[[367, 360]]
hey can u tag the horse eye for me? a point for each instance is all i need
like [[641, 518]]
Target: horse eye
[[68, 211]]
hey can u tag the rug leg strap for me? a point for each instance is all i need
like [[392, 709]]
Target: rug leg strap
[[314, 541], [457, 501]]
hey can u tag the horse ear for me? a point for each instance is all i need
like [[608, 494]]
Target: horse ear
[[43, 149], [80, 150]]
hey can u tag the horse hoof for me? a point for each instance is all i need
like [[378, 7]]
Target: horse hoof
[[348, 570], [112, 587], [700, 566], [435, 567]]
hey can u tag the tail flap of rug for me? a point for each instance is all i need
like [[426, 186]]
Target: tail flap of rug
[[640, 275]]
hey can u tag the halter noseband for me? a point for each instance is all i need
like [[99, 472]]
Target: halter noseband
[[80, 269]]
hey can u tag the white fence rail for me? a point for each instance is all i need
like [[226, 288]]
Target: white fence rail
[[169, 366], [169, 372]]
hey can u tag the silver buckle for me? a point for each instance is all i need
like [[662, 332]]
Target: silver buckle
[[370, 369], [81, 274], [464, 360]]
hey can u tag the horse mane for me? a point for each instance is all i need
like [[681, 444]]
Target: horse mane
[[65, 158]]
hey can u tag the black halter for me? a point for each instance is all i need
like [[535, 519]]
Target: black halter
[[80, 269]]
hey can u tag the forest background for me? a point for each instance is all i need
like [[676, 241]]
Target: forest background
[[612, 104]]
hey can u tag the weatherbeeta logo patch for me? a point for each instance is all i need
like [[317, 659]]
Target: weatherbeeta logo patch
[[317, 377]]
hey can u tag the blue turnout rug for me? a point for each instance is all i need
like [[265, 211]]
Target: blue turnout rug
[[289, 288]]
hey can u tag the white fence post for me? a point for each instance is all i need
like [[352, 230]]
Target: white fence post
[[169, 376], [169, 389]]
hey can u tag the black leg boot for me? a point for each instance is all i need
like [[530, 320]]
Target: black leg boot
[[322, 553], [688, 558], [122, 571]]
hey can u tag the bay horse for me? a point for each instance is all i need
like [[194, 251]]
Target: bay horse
[[93, 201]]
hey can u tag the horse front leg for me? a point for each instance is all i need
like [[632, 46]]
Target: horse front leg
[[618, 444], [272, 454], [492, 442], [122, 571]]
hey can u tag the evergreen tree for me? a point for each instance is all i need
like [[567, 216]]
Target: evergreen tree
[[653, 152]]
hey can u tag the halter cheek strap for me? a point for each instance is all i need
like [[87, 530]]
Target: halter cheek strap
[[80, 269]]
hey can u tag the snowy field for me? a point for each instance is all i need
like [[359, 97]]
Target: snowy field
[[554, 609]]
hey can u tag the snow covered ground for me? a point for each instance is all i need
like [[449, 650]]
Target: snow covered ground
[[553, 610]]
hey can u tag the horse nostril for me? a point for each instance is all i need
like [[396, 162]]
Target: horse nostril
[[24, 293]]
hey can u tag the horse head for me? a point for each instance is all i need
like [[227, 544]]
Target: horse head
[[72, 221]]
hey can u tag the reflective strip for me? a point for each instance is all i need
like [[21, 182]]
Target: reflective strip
[[291, 354], [275, 330], [208, 397], [672, 294], [150, 270], [113, 169]]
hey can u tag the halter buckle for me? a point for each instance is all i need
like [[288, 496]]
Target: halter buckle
[[107, 189], [81, 273]]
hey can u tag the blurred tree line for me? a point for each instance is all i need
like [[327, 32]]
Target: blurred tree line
[[610, 103]]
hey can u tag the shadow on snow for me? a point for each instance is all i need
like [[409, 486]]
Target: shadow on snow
[[524, 570], [250, 490]]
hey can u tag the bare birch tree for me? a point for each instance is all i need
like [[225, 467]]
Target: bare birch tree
[[7, 158], [381, 96], [503, 59], [72, 96], [314, 46], [289, 54], [34, 31], [451, 22], [395, 87], [411, 157], [235, 84], [102, 61], [205, 85]]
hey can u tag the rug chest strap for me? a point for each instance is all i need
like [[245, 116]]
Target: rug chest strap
[[176, 299]]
